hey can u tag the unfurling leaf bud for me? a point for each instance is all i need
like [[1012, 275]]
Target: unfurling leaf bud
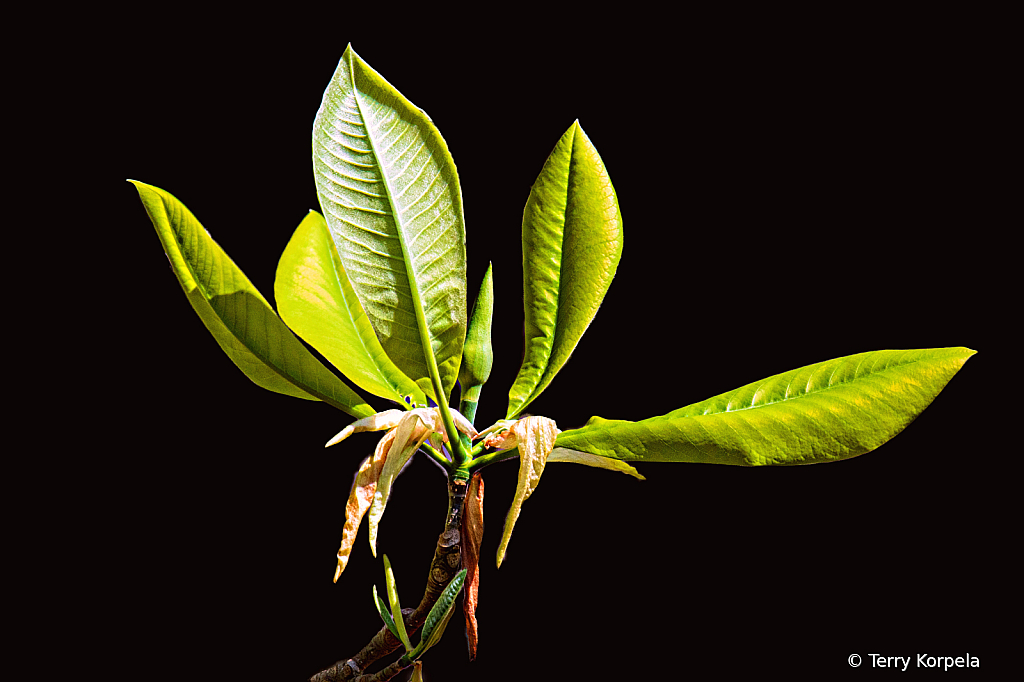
[[477, 355]]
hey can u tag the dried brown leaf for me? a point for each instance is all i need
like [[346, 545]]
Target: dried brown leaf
[[472, 535], [462, 424], [361, 497], [375, 422], [535, 437], [411, 432], [567, 455]]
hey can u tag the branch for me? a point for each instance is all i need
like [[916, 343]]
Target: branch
[[446, 563]]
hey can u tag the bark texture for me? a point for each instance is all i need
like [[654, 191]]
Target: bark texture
[[445, 564]]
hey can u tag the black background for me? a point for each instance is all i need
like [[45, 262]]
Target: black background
[[784, 200]]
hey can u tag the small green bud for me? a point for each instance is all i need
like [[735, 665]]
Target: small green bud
[[477, 354]]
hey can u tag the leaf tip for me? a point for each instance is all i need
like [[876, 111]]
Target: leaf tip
[[965, 354]]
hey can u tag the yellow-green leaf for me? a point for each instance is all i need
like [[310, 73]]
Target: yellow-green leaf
[[572, 242], [823, 412], [236, 314], [317, 301]]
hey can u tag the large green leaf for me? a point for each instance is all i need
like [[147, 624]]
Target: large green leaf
[[237, 315], [317, 301], [390, 193], [819, 413], [572, 241]]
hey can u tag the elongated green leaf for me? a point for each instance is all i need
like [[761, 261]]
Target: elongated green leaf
[[237, 315], [385, 614], [572, 242], [396, 606], [440, 614], [819, 413], [390, 193], [317, 301]]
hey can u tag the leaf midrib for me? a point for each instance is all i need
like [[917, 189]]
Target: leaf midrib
[[352, 319], [813, 392], [410, 272], [541, 384]]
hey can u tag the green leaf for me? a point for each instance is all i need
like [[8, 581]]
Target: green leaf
[[237, 315], [440, 614], [390, 193], [572, 241], [396, 606], [317, 301], [819, 413], [478, 355], [385, 614]]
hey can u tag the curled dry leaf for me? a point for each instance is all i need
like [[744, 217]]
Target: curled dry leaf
[[472, 535], [361, 497], [500, 425], [376, 422], [535, 437], [435, 441], [462, 424], [411, 432], [567, 455], [408, 431]]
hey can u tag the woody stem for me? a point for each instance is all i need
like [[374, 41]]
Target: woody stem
[[445, 564]]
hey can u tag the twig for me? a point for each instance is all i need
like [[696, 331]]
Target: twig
[[446, 563]]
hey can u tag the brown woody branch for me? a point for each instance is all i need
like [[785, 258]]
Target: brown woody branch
[[446, 563]]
